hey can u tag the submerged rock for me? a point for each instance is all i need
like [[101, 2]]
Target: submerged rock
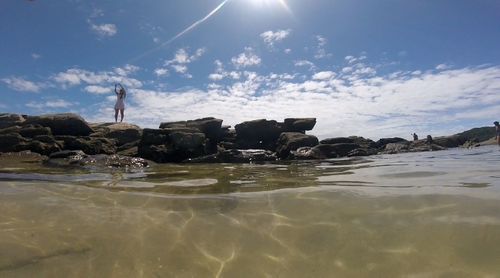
[[78, 158], [236, 156]]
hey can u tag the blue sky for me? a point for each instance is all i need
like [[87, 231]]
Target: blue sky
[[368, 68]]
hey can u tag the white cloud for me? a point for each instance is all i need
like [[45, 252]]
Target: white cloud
[[246, 59], [182, 58], [272, 37], [321, 52], [442, 67], [305, 63], [36, 56], [368, 105], [104, 30], [93, 89], [126, 70], [22, 85], [161, 72], [323, 75], [287, 51], [56, 103], [75, 76]]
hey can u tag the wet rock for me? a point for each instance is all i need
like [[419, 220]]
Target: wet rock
[[23, 156], [8, 120], [291, 141], [42, 147], [101, 160], [299, 124], [62, 124], [67, 153], [236, 156], [10, 130], [393, 148], [171, 144]]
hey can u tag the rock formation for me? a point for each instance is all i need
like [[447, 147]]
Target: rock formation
[[70, 140]]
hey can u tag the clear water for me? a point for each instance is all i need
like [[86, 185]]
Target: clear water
[[434, 214]]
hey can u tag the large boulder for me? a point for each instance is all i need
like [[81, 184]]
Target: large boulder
[[384, 141], [478, 134], [323, 151], [211, 127], [122, 133], [8, 120], [299, 124], [453, 141], [62, 124], [291, 141], [258, 134], [30, 131]]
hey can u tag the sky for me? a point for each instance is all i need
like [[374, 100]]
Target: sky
[[361, 67]]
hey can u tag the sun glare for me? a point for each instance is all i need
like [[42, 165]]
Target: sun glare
[[270, 3]]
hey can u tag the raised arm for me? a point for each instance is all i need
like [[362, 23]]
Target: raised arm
[[116, 92]]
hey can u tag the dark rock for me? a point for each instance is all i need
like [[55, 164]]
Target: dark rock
[[157, 153], [384, 141], [89, 145], [337, 140], [30, 131], [291, 141], [12, 142], [236, 156], [42, 147], [477, 134], [171, 144], [8, 120], [258, 134], [10, 130], [133, 151], [310, 153], [299, 124], [45, 139], [211, 127], [62, 124], [453, 141]]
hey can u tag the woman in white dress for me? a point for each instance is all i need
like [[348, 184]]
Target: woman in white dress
[[120, 102]]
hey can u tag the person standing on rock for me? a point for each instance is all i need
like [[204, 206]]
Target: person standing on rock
[[415, 137], [120, 102], [497, 127]]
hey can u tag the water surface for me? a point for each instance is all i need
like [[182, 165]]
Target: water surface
[[434, 214]]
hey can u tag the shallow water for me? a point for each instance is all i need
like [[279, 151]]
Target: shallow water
[[434, 214]]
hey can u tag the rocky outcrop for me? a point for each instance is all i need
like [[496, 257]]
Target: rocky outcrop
[[61, 124], [201, 140], [79, 158]]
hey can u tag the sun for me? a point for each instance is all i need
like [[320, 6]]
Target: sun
[[269, 3]]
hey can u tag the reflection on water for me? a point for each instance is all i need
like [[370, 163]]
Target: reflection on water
[[410, 215]]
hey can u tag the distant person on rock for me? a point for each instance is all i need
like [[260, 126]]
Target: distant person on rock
[[429, 140], [120, 102], [497, 127], [415, 137]]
